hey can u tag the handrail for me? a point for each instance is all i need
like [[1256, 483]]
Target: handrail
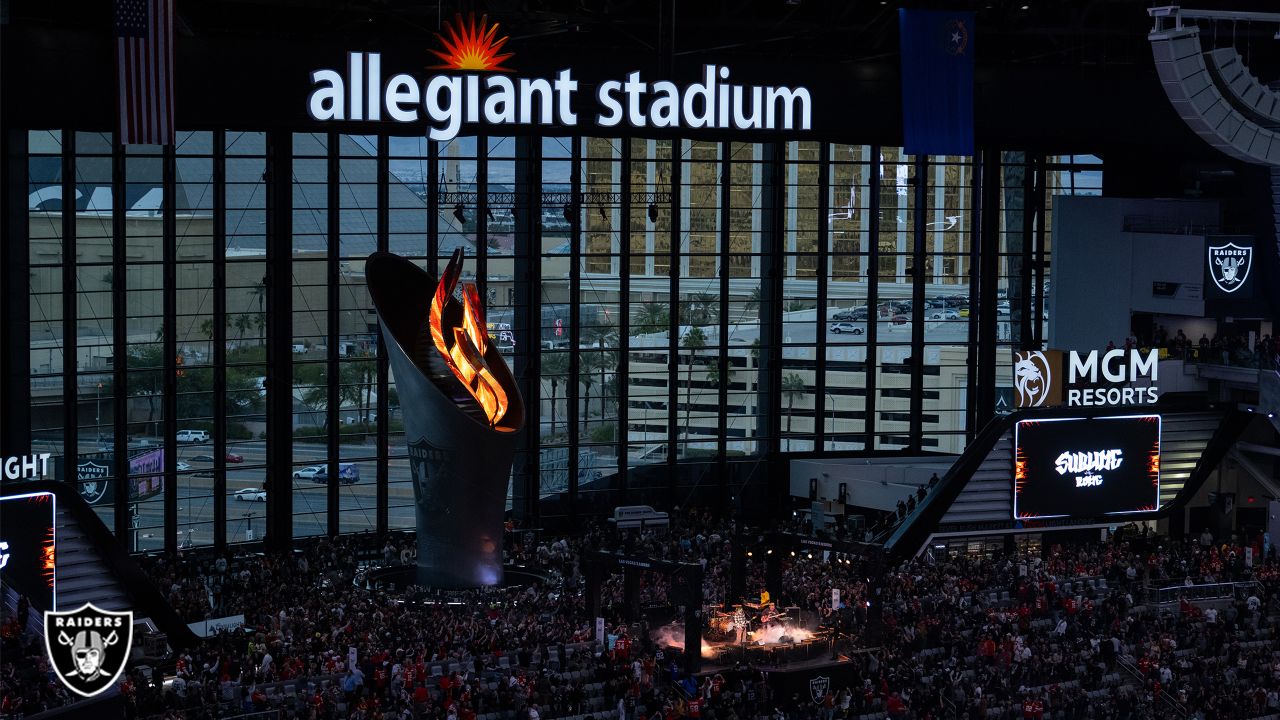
[[1204, 591], [136, 584], [1136, 674]]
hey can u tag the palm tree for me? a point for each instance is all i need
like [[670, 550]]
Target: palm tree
[[259, 292], [713, 374], [554, 366], [243, 323], [694, 341], [206, 328], [602, 336], [792, 385], [651, 317], [703, 309], [586, 376]]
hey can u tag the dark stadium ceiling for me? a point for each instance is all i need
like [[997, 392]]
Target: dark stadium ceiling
[[1053, 32]]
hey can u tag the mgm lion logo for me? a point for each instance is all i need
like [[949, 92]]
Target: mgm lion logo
[[1229, 266], [88, 647], [1033, 378]]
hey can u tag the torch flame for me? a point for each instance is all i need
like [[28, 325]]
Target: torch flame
[[464, 346], [49, 559]]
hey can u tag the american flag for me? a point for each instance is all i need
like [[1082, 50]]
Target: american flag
[[144, 71]]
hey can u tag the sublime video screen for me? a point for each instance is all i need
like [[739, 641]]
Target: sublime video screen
[[27, 550], [1086, 466]]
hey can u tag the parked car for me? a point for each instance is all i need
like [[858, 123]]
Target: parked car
[[299, 348], [202, 458], [252, 495], [234, 458], [307, 473], [846, 327], [193, 436], [851, 314], [183, 466], [946, 314], [348, 474]]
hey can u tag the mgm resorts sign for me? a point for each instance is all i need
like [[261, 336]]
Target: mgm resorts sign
[[1050, 378]]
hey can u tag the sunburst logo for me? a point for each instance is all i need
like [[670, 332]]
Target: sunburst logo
[[469, 46]]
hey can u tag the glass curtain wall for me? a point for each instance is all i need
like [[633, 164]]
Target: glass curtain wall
[[698, 304]]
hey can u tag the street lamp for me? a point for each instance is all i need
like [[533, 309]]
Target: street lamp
[[97, 411], [831, 435]]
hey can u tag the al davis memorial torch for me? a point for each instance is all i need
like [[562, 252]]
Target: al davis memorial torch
[[462, 414]]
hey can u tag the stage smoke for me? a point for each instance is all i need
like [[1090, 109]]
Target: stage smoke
[[672, 636], [775, 634]]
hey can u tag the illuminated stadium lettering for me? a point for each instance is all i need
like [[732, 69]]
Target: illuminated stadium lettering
[[449, 101], [26, 466]]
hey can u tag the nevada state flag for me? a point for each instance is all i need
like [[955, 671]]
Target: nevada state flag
[[937, 81]]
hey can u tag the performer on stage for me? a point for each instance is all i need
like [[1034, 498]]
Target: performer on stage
[[740, 624], [768, 615]]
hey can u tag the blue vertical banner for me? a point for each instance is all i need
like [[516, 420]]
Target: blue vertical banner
[[937, 81]]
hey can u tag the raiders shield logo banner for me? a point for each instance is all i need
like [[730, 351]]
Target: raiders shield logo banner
[[428, 464], [1229, 266], [818, 687], [92, 477], [88, 647]]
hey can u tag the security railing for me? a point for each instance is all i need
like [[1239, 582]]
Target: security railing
[[1207, 591]]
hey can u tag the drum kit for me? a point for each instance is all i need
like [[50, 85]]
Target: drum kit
[[741, 619]]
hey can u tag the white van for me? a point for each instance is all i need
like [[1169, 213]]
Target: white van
[[299, 348], [193, 436]]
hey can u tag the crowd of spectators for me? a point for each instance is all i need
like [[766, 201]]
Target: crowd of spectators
[[1068, 633], [1222, 348]]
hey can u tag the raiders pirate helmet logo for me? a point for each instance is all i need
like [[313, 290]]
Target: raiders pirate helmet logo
[[1229, 266], [818, 687], [88, 647]]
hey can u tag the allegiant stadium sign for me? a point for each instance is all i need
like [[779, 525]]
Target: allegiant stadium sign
[[448, 100]]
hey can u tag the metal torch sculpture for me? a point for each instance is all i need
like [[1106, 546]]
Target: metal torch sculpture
[[462, 412]]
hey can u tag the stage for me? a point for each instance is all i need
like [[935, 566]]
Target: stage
[[792, 659], [809, 678], [776, 655]]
